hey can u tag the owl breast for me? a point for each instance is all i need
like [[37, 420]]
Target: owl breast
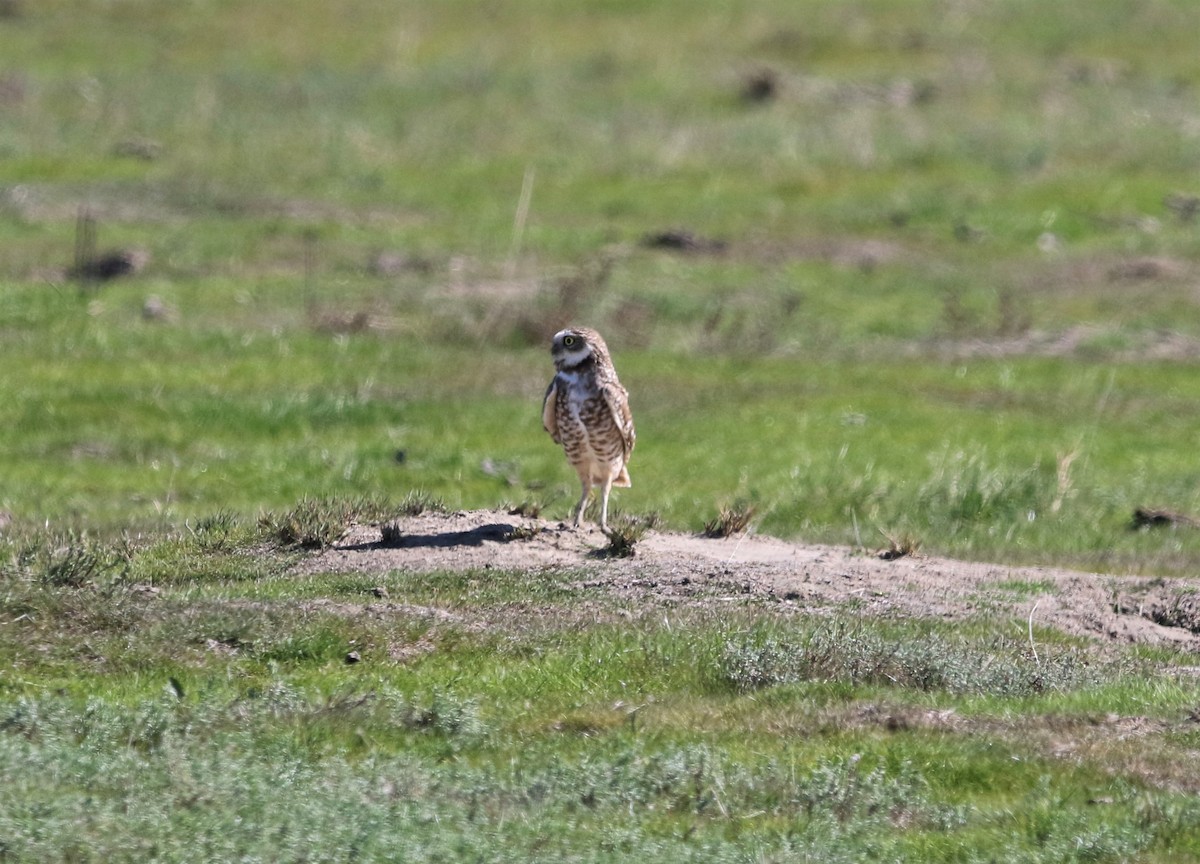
[[590, 435]]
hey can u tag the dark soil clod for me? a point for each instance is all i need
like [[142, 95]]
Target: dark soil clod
[[761, 85], [1150, 517], [682, 240]]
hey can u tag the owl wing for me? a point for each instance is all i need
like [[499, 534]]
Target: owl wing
[[549, 410], [617, 399]]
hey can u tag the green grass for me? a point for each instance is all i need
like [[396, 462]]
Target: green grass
[[220, 714], [955, 305], [968, 457]]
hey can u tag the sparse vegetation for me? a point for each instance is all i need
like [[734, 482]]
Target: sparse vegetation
[[525, 531], [861, 655], [705, 719], [899, 546], [317, 522], [216, 531], [416, 503], [529, 509], [391, 534], [733, 519], [625, 530], [66, 561]]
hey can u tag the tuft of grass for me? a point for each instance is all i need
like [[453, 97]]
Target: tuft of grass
[[416, 503], [442, 713], [899, 546], [313, 523], [733, 519], [221, 523], [72, 560], [318, 522], [625, 531], [391, 534], [529, 509], [526, 531], [967, 489], [219, 531]]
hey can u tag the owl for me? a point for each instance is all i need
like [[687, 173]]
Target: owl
[[586, 410]]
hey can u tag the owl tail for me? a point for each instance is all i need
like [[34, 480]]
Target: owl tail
[[623, 478]]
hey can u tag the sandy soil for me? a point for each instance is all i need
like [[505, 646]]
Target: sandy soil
[[674, 568]]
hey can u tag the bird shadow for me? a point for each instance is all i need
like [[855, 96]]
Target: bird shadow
[[497, 532]]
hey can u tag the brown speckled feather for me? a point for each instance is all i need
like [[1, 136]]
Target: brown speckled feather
[[617, 399], [586, 410], [550, 411]]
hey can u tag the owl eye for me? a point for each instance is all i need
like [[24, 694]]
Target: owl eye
[[569, 341]]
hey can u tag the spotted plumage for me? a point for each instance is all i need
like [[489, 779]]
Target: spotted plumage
[[586, 410]]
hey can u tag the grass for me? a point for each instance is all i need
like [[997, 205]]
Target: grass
[[314, 524], [966, 456], [625, 531], [733, 519], [944, 294], [859, 656], [701, 734]]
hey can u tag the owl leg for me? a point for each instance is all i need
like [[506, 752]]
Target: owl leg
[[604, 490], [583, 500]]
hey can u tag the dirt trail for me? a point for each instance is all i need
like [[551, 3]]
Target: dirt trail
[[678, 568]]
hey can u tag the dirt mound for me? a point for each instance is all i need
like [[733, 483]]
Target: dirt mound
[[682, 568]]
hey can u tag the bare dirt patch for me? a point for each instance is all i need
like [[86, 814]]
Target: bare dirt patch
[[670, 568]]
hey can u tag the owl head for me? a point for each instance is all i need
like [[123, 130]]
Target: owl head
[[575, 346]]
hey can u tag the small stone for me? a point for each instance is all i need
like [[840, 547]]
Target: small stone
[[156, 309], [352, 658]]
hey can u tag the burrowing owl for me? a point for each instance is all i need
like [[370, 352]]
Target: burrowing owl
[[586, 410]]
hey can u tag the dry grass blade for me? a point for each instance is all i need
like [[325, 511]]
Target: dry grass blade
[[733, 519], [899, 546], [527, 508]]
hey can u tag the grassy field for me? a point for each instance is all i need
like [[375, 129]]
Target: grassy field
[[939, 280], [191, 699]]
